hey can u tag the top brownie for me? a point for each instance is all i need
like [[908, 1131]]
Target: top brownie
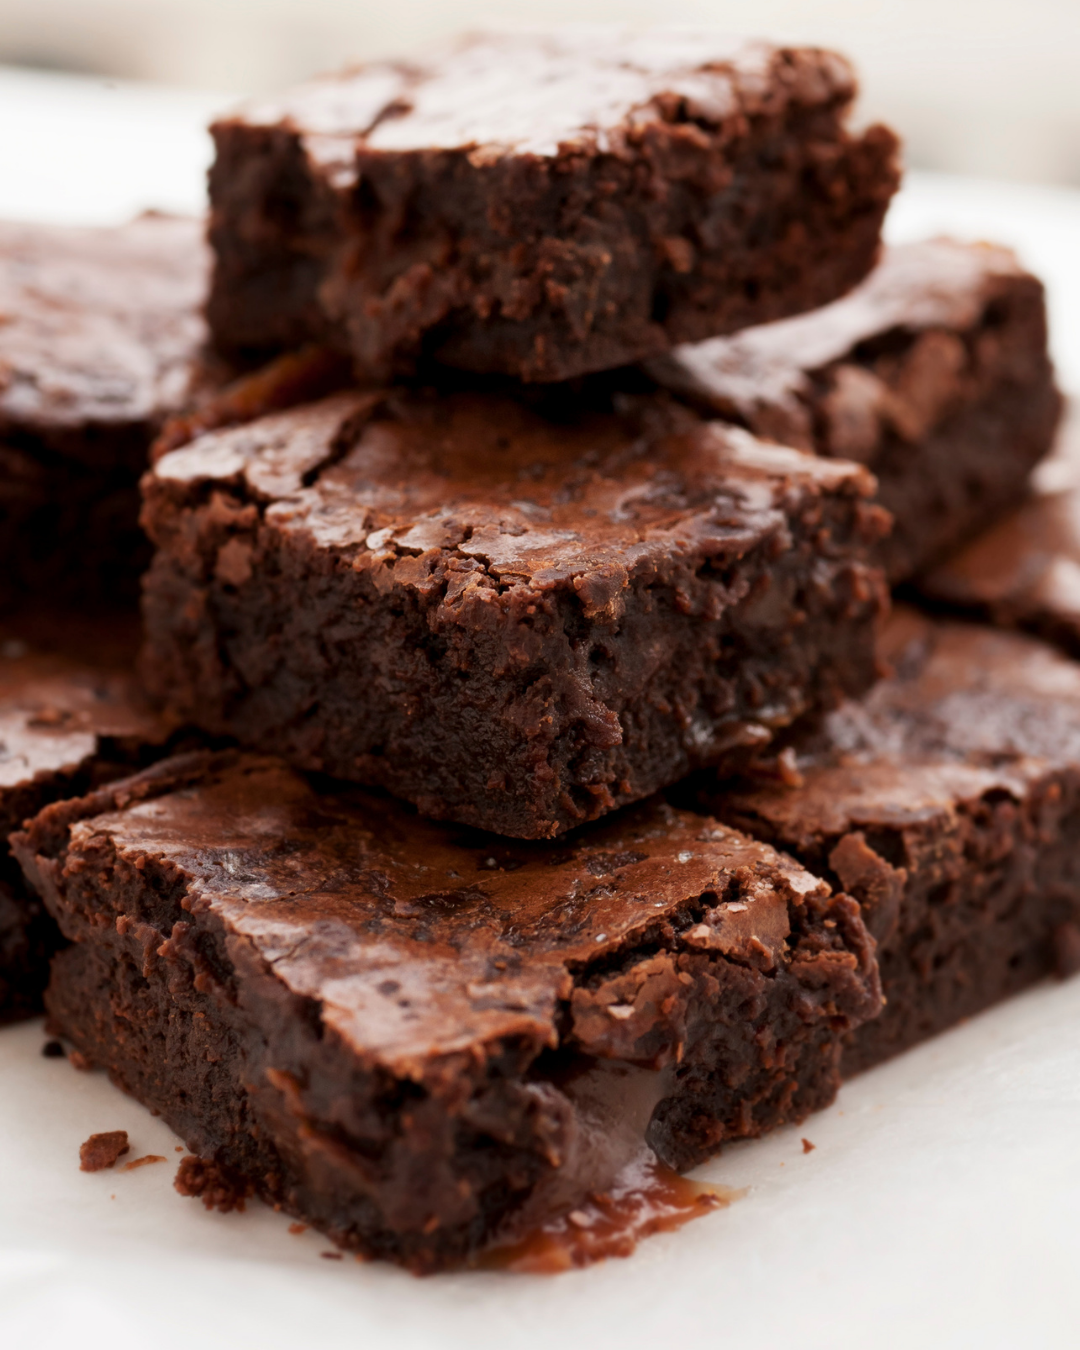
[[543, 205], [934, 372], [101, 339], [517, 617]]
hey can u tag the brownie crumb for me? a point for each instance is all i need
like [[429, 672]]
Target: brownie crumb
[[297, 1228], [78, 1060], [143, 1161], [331, 1256], [102, 1150], [216, 1187], [52, 1050], [807, 1146], [1065, 940]]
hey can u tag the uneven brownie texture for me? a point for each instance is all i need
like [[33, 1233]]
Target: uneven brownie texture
[[543, 205], [67, 723], [948, 804], [510, 620], [100, 339], [934, 373], [404, 1019], [1024, 571]]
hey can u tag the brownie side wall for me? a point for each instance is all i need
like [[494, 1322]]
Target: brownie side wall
[[967, 908], [70, 532], [584, 262], [997, 421], [272, 230], [519, 711]]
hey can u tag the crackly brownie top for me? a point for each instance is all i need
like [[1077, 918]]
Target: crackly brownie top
[[421, 940], [553, 93], [765, 375], [62, 693], [406, 483], [1026, 569], [968, 710], [98, 326]]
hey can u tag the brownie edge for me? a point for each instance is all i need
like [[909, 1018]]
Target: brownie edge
[[510, 619], [425, 1041], [544, 204]]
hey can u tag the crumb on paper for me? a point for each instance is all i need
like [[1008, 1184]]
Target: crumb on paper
[[52, 1050], [78, 1060], [102, 1150], [807, 1146], [142, 1162], [331, 1256], [297, 1228], [179, 1148]]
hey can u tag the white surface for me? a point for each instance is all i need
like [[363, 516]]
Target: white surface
[[941, 1206]]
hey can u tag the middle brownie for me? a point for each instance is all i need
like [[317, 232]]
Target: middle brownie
[[512, 619]]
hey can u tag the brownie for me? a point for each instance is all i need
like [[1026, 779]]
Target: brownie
[[948, 804], [511, 620], [544, 204], [1024, 571], [71, 717], [934, 373], [422, 1040], [100, 339]]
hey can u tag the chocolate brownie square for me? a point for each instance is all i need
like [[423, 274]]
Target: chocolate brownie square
[[1024, 571], [948, 803], [426, 1041], [71, 717], [934, 373], [101, 338], [513, 619], [544, 204]]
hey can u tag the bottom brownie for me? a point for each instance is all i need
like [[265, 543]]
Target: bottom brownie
[[948, 803], [71, 718], [425, 1041]]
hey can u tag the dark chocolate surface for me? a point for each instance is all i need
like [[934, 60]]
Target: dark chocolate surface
[[67, 722], [1024, 572], [424, 1030], [948, 803], [510, 619], [101, 338], [543, 204], [933, 372]]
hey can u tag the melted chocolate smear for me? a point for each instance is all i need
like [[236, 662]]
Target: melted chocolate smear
[[647, 1197]]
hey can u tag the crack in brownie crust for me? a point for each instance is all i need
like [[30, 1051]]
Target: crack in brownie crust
[[948, 804], [934, 373], [406, 1022], [544, 205], [508, 619]]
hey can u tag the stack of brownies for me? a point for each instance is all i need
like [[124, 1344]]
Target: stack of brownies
[[559, 434]]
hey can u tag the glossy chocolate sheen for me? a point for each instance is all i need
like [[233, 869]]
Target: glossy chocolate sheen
[[544, 204], [101, 338], [409, 1022], [934, 372], [1024, 572], [67, 722], [512, 620], [100, 329], [948, 803]]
